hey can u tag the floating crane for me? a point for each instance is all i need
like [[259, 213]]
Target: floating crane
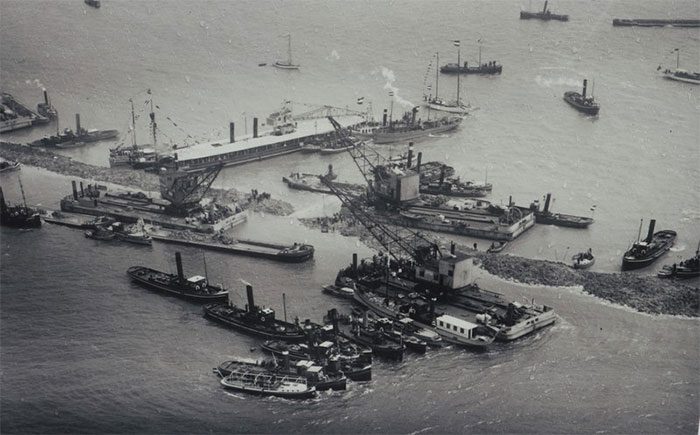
[[184, 189]]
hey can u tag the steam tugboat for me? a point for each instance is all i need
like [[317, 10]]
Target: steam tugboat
[[18, 216], [644, 252], [689, 268], [194, 288], [583, 260], [563, 220], [582, 103], [69, 138], [254, 320], [545, 15]]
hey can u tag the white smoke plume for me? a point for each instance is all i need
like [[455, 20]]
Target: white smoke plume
[[390, 79]]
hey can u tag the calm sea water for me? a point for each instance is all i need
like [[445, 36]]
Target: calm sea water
[[83, 350]]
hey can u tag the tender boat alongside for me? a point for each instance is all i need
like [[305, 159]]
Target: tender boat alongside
[[645, 252], [583, 260], [314, 374]]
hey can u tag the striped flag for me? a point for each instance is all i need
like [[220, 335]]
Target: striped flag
[[360, 100], [391, 93], [456, 42]]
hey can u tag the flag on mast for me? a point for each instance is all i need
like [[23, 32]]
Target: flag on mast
[[391, 93], [360, 100], [456, 42]]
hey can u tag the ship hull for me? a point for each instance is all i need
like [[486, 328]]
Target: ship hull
[[458, 110], [664, 241], [674, 77], [570, 98], [398, 136], [132, 272], [563, 220], [235, 323]]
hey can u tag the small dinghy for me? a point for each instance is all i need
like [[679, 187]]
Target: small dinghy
[[583, 260]]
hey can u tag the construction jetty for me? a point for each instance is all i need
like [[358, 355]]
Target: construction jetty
[[640, 22]]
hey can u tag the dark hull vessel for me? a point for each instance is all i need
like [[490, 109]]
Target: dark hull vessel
[[545, 15], [6, 166], [251, 378], [581, 102], [314, 374], [18, 216], [645, 252], [546, 217], [195, 288], [254, 320], [486, 68], [689, 268]]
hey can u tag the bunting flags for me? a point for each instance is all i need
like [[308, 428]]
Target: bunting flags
[[360, 100], [456, 42], [391, 93]]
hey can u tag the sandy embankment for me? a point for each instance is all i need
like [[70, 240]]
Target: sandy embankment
[[127, 177]]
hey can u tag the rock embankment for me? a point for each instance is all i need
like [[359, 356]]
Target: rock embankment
[[127, 177], [643, 293]]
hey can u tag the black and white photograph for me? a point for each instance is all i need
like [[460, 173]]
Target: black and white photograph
[[349, 216]]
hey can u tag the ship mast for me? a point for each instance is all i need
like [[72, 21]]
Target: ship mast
[[459, 73], [639, 233], [153, 119], [289, 48], [678, 58], [21, 189], [437, 73], [133, 123]]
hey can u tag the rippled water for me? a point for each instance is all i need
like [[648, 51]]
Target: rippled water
[[85, 350]]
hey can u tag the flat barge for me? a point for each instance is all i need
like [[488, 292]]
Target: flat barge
[[639, 22], [288, 136], [506, 225]]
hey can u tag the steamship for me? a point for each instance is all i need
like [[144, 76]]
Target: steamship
[[581, 102], [545, 15], [644, 252], [408, 128]]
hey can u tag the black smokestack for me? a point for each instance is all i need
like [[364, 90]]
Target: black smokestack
[[442, 174], [418, 160], [251, 301], [255, 127], [82, 191], [413, 115], [77, 122], [585, 85], [384, 118], [452, 248], [546, 202], [231, 131], [285, 360], [650, 234], [432, 308], [46, 97], [410, 155], [354, 265], [178, 263], [75, 190], [3, 206]]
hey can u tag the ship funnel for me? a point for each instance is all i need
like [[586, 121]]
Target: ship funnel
[[46, 97], [452, 248], [432, 308], [544, 10], [585, 85], [178, 263], [82, 191], [2, 200], [77, 123], [231, 131], [442, 174], [354, 265], [75, 190], [384, 118], [251, 301], [418, 159], [413, 114], [285, 360], [650, 234], [334, 320], [255, 127], [546, 202], [410, 155]]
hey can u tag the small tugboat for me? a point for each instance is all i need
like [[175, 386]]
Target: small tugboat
[[644, 252], [583, 260], [689, 268], [251, 378], [582, 103], [497, 247], [254, 320], [314, 374], [339, 291], [8, 166], [45, 109], [546, 217], [194, 288], [375, 339], [71, 139], [681, 75], [18, 216], [545, 15]]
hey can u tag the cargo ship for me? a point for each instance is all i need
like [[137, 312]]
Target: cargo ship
[[410, 128], [545, 15], [287, 136], [645, 252], [196, 288], [254, 320], [546, 217]]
